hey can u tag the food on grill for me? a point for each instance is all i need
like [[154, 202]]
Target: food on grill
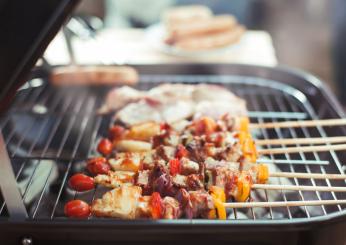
[[173, 103], [98, 165], [189, 168], [94, 75], [202, 31], [77, 209], [105, 146], [81, 182]]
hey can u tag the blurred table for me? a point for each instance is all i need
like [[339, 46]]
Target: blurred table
[[130, 46]]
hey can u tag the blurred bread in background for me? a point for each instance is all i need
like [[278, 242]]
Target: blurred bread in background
[[195, 28], [179, 15], [211, 41]]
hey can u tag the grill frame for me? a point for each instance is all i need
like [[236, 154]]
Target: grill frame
[[307, 84]]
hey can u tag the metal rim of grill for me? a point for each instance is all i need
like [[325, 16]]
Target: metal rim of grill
[[50, 131]]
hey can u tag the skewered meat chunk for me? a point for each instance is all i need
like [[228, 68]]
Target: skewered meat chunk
[[188, 166], [126, 162], [118, 203], [171, 208], [143, 132], [132, 146], [201, 202], [165, 152], [115, 179], [143, 209], [164, 185]]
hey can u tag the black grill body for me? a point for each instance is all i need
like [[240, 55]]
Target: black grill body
[[49, 132]]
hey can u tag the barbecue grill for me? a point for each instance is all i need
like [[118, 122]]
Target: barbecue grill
[[48, 133]]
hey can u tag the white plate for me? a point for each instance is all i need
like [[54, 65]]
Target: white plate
[[156, 34]]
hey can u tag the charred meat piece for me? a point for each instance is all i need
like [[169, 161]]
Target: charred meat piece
[[188, 166], [201, 202], [183, 198], [164, 185], [189, 182], [171, 208]]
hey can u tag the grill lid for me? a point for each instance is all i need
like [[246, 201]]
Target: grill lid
[[27, 28]]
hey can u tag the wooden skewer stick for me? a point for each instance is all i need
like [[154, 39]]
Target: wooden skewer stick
[[282, 204], [299, 188], [308, 175], [320, 148], [293, 141], [305, 123]]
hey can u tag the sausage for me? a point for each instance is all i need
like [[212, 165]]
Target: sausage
[[94, 75]]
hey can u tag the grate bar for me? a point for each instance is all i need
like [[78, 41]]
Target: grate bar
[[293, 162], [277, 114]]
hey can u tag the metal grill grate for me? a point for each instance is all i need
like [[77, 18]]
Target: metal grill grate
[[50, 131]]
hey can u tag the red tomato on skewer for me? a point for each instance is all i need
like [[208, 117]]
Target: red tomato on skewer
[[174, 166], [77, 209], [105, 146], [116, 132], [98, 165], [81, 182], [181, 152], [156, 205]]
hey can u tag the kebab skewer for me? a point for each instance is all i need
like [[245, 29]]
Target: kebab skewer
[[136, 138], [131, 162]]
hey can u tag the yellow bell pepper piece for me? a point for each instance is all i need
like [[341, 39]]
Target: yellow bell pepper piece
[[244, 124], [243, 189], [219, 198], [248, 146]]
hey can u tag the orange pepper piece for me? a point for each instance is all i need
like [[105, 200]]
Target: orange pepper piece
[[244, 124], [244, 188], [262, 173]]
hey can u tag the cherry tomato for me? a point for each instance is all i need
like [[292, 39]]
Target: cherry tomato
[[174, 166], [181, 151], [98, 165], [77, 209], [81, 182], [156, 205], [116, 132], [105, 146]]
